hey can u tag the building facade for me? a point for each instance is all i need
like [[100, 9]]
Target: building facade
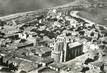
[[73, 50], [59, 51], [64, 51]]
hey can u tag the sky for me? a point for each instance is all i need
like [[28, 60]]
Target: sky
[[15, 6]]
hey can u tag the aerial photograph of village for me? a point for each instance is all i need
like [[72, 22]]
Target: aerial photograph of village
[[53, 36]]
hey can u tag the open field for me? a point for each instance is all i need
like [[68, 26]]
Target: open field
[[15, 6], [96, 15]]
